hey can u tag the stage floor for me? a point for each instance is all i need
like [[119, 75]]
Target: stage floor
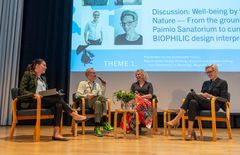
[[88, 144]]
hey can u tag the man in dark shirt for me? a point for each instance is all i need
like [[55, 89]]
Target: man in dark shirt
[[193, 103]]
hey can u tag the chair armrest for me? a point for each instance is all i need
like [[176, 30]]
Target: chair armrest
[[26, 97], [228, 110], [213, 112]]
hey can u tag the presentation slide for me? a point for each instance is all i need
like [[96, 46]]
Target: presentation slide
[[155, 35]]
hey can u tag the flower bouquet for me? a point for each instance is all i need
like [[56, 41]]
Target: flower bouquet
[[126, 98]]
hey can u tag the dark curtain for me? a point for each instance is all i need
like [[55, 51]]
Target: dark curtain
[[47, 34]]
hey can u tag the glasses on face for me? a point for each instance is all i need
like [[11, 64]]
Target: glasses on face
[[209, 72], [127, 23], [96, 15], [92, 72]]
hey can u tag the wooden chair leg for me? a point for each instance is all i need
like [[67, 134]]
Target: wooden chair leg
[[124, 124], [83, 128], [137, 126], [183, 128], [156, 121], [200, 128], [165, 123], [214, 130], [115, 124], [12, 129], [37, 130], [229, 128], [153, 121], [169, 118], [74, 128]]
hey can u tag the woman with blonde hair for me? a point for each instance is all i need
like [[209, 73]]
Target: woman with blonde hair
[[143, 100]]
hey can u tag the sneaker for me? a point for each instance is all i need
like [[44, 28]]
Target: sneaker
[[98, 132], [107, 126]]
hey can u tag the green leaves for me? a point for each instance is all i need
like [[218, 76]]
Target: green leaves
[[124, 96]]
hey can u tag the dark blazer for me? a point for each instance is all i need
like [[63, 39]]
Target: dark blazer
[[217, 88], [28, 85]]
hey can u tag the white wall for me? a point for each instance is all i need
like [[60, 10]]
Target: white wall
[[169, 87]]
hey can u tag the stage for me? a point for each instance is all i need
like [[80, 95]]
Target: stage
[[148, 143]]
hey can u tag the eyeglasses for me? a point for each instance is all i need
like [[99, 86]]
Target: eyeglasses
[[127, 23], [96, 15], [209, 72]]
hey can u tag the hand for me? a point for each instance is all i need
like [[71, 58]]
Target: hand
[[206, 95], [37, 95]]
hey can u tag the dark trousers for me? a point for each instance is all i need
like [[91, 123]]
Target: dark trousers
[[95, 42], [57, 105], [194, 103]]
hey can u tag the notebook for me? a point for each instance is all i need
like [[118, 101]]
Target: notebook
[[50, 92]]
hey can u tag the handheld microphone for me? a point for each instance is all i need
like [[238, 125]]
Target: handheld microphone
[[103, 81], [193, 91]]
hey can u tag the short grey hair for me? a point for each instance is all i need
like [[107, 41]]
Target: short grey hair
[[213, 66], [129, 13], [88, 70], [145, 75]]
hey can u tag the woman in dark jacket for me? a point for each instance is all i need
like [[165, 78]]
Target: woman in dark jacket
[[215, 87], [33, 82]]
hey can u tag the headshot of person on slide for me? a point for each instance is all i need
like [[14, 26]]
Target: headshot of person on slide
[[128, 2], [129, 21], [93, 34]]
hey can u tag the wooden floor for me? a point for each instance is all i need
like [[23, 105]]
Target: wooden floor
[[148, 144]]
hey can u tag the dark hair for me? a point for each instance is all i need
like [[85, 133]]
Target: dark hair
[[32, 66]]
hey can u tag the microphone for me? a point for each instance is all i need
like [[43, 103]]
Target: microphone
[[103, 81], [192, 90]]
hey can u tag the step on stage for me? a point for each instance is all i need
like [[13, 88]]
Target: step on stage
[[147, 144]]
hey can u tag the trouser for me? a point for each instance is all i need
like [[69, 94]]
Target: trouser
[[57, 105], [98, 104], [194, 103], [95, 42]]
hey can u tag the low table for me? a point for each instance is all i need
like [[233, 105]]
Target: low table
[[167, 117], [125, 111]]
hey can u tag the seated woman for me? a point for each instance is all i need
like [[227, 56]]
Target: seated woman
[[144, 94], [193, 103], [33, 82]]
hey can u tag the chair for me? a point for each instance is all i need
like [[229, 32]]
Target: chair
[[28, 114], [213, 116], [89, 112], [155, 117]]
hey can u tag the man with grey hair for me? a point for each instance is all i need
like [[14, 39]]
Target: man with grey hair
[[94, 95]]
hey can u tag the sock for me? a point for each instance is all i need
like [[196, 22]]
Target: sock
[[104, 119], [97, 124]]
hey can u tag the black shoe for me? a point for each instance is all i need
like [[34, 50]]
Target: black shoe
[[59, 139]]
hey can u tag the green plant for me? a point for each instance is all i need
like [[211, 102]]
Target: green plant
[[124, 96]]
